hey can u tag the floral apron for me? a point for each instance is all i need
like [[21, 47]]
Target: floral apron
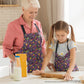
[[62, 63], [32, 47]]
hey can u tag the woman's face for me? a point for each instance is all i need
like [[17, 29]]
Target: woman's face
[[61, 36], [30, 13]]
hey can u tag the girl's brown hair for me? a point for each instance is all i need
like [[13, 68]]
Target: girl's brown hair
[[60, 25]]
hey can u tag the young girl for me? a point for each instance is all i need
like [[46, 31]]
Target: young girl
[[63, 48]]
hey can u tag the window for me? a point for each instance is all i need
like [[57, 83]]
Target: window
[[74, 14]]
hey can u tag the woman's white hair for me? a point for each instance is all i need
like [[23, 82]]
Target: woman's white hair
[[30, 3]]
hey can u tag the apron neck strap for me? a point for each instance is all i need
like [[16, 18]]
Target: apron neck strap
[[37, 27], [23, 29], [67, 45], [56, 46]]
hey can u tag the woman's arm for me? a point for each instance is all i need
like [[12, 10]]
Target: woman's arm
[[12, 57], [8, 41]]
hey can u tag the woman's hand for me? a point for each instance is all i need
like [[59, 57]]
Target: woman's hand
[[37, 72], [68, 76], [51, 66], [12, 57]]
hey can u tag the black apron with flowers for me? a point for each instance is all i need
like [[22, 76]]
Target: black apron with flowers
[[33, 48], [62, 63]]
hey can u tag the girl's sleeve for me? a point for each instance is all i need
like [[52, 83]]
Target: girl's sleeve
[[72, 44], [8, 41], [52, 47]]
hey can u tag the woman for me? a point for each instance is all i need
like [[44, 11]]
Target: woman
[[24, 35]]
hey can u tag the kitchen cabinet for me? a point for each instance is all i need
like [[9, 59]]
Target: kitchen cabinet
[[9, 3]]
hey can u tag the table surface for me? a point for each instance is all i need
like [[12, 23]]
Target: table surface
[[33, 79]]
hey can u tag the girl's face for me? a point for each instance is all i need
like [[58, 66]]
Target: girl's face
[[61, 36], [30, 13]]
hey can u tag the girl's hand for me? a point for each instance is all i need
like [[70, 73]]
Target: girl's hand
[[51, 66], [68, 76], [37, 72]]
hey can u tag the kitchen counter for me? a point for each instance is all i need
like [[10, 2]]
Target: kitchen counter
[[33, 79]]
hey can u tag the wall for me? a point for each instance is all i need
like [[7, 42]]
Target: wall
[[80, 54], [45, 15], [50, 12], [7, 14], [59, 12]]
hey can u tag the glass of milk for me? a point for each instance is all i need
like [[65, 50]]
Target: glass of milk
[[17, 75]]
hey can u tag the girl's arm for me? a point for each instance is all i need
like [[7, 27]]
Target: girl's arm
[[72, 60], [46, 59], [72, 64]]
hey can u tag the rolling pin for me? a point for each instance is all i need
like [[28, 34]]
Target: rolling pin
[[47, 75]]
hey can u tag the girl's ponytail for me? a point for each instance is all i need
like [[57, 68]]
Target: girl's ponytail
[[50, 38], [72, 34]]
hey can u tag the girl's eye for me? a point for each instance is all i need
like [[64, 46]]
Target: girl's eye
[[62, 35], [57, 35], [35, 12]]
